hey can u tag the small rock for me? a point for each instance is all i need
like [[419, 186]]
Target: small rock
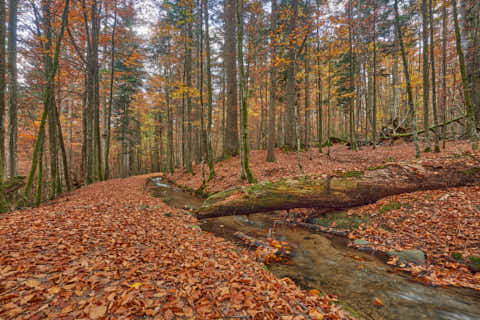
[[361, 242], [445, 197], [406, 256]]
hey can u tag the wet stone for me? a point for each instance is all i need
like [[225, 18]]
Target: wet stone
[[409, 256], [361, 242]]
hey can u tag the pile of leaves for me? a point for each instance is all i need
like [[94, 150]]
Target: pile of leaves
[[110, 250], [444, 224], [341, 159]]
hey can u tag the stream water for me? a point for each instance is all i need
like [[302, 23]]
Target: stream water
[[325, 263]]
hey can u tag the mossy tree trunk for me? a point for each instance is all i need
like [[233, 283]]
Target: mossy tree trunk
[[243, 95], [343, 190]]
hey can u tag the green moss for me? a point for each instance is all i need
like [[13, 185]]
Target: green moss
[[341, 220], [376, 168], [472, 172], [350, 174], [394, 205], [457, 256], [219, 196], [475, 263], [259, 187]]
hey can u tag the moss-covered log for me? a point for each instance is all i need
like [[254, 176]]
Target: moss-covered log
[[343, 190]]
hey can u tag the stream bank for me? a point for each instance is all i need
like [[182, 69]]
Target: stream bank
[[325, 263]]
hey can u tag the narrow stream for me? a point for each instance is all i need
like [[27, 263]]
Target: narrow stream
[[325, 263]]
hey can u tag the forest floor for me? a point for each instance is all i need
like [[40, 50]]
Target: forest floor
[[444, 224], [341, 159], [110, 250]]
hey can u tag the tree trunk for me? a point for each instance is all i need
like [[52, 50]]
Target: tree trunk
[[411, 106], [110, 100], [243, 93], [52, 121], [374, 85], [273, 85], [425, 75], [434, 85], [2, 88], [395, 84], [471, 32], [306, 139], [37, 158], [231, 146], [188, 84], [351, 112], [12, 88], [210, 154], [444, 73], [291, 90], [471, 130], [343, 190]]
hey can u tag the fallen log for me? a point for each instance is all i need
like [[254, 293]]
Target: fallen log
[[343, 190], [432, 129]]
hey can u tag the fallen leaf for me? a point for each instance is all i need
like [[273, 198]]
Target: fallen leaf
[[96, 312]]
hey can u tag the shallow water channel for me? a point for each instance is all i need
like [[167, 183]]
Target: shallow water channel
[[325, 263]]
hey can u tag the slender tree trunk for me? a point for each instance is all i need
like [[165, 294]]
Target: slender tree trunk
[[329, 98], [224, 111], [52, 121], [471, 130], [110, 100], [426, 75], [200, 135], [319, 99], [243, 93], [291, 89], [96, 127], [65, 162], [188, 78], [37, 157], [210, 154], [434, 85], [374, 85], [273, 85], [170, 150], [395, 87], [231, 130], [407, 79], [470, 12], [307, 97], [353, 143], [2, 87], [12, 88], [444, 73]]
